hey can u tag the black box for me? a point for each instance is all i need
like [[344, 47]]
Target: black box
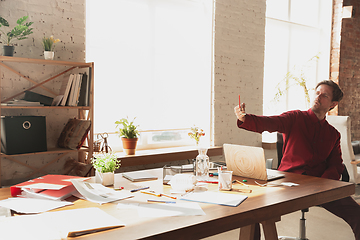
[[23, 134]]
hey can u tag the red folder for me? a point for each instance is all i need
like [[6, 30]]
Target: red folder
[[62, 180]]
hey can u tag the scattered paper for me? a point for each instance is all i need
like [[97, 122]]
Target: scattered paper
[[156, 210], [96, 192], [220, 198], [289, 184], [32, 205], [57, 225]]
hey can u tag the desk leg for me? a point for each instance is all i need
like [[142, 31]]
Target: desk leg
[[247, 233], [269, 228]]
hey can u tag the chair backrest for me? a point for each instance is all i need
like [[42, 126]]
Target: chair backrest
[[343, 125]]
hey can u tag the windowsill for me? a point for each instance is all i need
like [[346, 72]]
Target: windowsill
[[144, 157]]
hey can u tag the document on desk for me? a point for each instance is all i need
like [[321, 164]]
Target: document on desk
[[57, 225], [226, 199], [96, 192], [32, 205], [154, 210]]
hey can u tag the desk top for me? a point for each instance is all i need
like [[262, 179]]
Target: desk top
[[263, 203]]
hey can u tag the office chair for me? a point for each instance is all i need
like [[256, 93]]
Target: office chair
[[343, 125], [302, 227]]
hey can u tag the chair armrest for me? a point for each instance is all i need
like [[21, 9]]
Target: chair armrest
[[355, 162]]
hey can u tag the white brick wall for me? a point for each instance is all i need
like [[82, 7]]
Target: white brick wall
[[239, 63], [64, 19], [239, 54]]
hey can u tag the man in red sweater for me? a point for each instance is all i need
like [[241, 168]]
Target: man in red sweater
[[311, 145]]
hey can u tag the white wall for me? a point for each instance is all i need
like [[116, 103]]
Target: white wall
[[238, 68]]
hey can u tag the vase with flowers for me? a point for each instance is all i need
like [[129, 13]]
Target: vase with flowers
[[49, 45], [105, 166], [202, 159]]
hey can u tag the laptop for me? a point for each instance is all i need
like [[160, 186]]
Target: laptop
[[248, 162]]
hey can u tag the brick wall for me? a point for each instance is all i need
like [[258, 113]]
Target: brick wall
[[238, 68], [64, 20], [349, 70], [239, 64]]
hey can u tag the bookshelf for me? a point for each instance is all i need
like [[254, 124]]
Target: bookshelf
[[56, 77]]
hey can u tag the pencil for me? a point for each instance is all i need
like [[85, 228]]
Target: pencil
[[151, 193], [165, 195], [160, 201]]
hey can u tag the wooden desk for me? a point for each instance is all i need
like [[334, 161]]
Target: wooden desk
[[265, 205]]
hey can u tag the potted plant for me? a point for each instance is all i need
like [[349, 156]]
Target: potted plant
[[49, 45], [105, 166], [129, 135], [19, 32]]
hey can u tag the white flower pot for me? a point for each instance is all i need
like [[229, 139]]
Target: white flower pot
[[48, 55], [106, 179]]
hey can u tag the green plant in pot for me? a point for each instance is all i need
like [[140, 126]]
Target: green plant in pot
[[21, 31], [105, 166], [129, 134]]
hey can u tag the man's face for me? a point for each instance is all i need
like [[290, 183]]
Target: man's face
[[323, 99]]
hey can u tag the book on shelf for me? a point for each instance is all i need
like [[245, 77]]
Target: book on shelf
[[57, 100], [64, 101], [21, 103], [36, 97], [83, 96]]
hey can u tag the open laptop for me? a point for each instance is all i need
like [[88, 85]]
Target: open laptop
[[249, 162]]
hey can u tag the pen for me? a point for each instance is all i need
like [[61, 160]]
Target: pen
[[152, 193], [214, 182], [138, 189], [241, 183], [165, 195], [119, 188], [160, 201]]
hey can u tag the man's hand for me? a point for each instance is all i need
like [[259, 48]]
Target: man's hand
[[240, 112]]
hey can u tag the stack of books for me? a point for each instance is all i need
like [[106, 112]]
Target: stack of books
[[77, 92]]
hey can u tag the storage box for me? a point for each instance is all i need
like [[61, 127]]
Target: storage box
[[23, 134]]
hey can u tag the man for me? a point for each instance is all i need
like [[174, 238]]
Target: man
[[311, 145]]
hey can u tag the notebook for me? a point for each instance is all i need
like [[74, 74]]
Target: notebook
[[139, 176], [249, 162]]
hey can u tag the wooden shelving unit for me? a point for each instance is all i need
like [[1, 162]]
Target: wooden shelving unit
[[87, 112]]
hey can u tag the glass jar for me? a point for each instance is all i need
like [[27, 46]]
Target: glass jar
[[202, 164]]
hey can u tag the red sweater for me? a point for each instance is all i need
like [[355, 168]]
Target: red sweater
[[311, 146]]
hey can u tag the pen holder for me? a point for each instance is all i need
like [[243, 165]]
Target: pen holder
[[105, 179], [225, 180]]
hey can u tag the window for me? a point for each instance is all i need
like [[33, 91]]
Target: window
[[297, 45], [153, 62]]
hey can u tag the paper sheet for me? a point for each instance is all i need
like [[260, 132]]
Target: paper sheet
[[155, 210], [96, 192], [226, 199], [32, 205], [56, 225]]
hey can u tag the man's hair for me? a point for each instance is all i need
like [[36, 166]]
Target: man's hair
[[337, 92]]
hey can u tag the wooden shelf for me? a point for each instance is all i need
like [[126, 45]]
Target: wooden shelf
[[45, 62], [49, 151], [83, 112], [47, 107]]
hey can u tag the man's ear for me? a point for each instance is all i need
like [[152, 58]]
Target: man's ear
[[333, 104]]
